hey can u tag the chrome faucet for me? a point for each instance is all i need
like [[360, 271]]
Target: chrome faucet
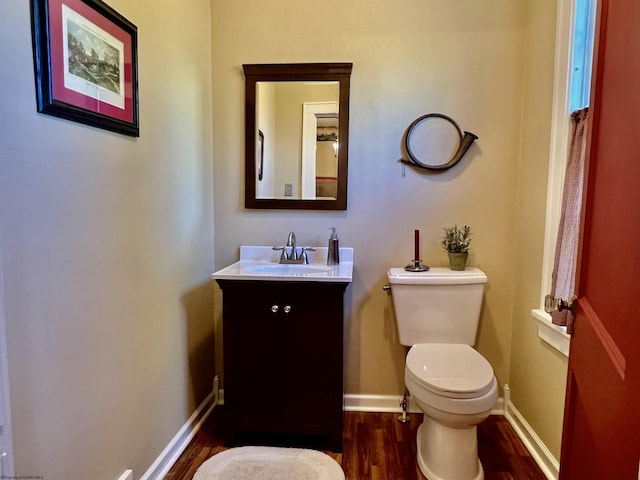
[[290, 251], [291, 243]]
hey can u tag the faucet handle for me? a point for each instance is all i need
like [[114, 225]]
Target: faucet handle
[[283, 255], [303, 255]]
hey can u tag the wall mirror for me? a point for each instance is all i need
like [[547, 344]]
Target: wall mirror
[[297, 135]]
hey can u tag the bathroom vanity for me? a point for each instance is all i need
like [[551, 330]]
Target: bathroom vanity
[[283, 350]]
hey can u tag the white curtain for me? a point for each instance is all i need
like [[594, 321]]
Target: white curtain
[[566, 257]]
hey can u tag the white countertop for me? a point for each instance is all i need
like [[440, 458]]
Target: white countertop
[[262, 263]]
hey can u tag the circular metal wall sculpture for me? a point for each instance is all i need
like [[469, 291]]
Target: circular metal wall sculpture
[[464, 142]]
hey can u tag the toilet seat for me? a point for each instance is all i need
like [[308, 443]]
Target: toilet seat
[[450, 370]]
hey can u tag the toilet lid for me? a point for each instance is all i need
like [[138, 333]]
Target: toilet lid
[[450, 369]]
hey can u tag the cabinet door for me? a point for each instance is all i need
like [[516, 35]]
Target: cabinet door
[[253, 344], [283, 357], [313, 384]]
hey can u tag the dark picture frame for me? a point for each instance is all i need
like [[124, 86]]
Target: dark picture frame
[[86, 64]]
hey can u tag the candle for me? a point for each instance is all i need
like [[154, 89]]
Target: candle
[[417, 244]]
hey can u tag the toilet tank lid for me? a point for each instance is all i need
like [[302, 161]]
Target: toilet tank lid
[[436, 276]]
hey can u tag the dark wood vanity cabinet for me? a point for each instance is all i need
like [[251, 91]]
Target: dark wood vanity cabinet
[[283, 356]]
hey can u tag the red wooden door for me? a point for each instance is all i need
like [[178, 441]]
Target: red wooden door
[[601, 433]]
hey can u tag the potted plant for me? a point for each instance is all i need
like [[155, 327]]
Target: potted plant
[[456, 242]]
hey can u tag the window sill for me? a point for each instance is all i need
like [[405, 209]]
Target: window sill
[[554, 335]]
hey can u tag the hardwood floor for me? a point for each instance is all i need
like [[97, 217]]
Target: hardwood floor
[[378, 447]]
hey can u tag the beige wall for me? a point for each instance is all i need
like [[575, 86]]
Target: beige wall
[[107, 244], [538, 372], [266, 115], [326, 159], [460, 58]]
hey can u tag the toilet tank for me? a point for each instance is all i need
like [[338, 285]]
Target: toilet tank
[[437, 306]]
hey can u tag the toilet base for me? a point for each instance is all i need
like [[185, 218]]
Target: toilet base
[[445, 453]]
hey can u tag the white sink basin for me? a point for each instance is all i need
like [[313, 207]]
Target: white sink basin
[[261, 263], [289, 269]]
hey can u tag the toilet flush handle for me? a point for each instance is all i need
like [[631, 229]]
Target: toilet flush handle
[[386, 287]]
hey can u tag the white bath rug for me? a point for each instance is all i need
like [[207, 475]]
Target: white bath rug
[[270, 463]]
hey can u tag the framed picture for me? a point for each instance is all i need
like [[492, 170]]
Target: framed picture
[[85, 56], [260, 154]]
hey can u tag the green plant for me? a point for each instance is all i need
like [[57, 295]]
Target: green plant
[[457, 239]]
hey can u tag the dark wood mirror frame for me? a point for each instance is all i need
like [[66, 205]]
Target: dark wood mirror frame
[[340, 72]]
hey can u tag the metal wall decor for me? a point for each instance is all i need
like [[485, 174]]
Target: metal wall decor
[[465, 141]]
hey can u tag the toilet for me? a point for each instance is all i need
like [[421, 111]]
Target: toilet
[[437, 313]]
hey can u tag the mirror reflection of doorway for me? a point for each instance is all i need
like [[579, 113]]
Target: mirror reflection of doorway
[[319, 150]]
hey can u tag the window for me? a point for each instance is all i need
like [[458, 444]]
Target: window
[[582, 54], [571, 90]]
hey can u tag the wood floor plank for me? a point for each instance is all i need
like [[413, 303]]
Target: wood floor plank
[[376, 446]]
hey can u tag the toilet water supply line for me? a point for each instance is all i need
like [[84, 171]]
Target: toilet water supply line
[[404, 403]]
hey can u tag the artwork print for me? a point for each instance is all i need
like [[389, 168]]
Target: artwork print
[[94, 60]]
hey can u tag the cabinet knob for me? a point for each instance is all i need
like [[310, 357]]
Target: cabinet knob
[[287, 308], [274, 308]]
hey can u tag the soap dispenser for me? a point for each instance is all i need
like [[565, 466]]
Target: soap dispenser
[[333, 252]]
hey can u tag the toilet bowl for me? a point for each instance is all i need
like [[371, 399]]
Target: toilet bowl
[[456, 389]]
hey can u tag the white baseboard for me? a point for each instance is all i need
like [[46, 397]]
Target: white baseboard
[[180, 441], [376, 403], [543, 457], [391, 404]]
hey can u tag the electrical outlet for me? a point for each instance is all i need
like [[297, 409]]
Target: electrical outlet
[[288, 189], [127, 475]]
